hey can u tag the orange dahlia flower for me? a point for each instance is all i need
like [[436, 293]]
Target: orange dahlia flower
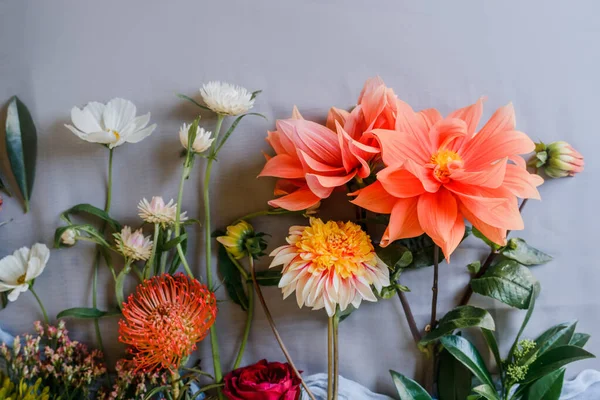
[[312, 160], [440, 171], [330, 264], [164, 319]]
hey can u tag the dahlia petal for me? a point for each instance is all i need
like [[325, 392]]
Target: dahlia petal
[[362, 286], [336, 115], [446, 131], [396, 147], [296, 113], [408, 121], [345, 291], [317, 166], [370, 85], [425, 175], [521, 183], [273, 138], [298, 200], [400, 182], [429, 116], [437, 215], [491, 177], [283, 166], [300, 285], [357, 300], [317, 188], [495, 234], [404, 222], [375, 198], [497, 146], [316, 140], [470, 114], [519, 161], [456, 235], [282, 259]]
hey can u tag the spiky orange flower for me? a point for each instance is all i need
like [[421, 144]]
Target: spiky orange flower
[[164, 319]]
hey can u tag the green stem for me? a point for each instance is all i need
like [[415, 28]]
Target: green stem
[[163, 256], [185, 174], [41, 305], [329, 358], [336, 356], [150, 261], [249, 317], [266, 212], [214, 344]]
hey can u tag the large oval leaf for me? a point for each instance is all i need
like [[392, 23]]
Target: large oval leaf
[[408, 389], [21, 145], [460, 317], [558, 335], [554, 359], [86, 313], [579, 339], [547, 387], [487, 392], [518, 250], [468, 355], [232, 279], [454, 379], [267, 278], [507, 282]]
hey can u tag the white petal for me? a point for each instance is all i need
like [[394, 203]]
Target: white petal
[[308, 288], [141, 122], [288, 290], [329, 306], [14, 295], [357, 300], [41, 251], [138, 136], [281, 248], [346, 294], [22, 255], [34, 269], [282, 259], [81, 135], [4, 287], [101, 137], [118, 114], [11, 269], [288, 278], [97, 109], [319, 304], [302, 281], [364, 289], [84, 120]]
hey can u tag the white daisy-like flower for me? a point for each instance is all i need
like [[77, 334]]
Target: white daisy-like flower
[[133, 245], [225, 98], [202, 142], [157, 212], [69, 237], [19, 269], [112, 124]]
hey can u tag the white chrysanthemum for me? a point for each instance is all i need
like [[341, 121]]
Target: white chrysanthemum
[[112, 124], [157, 212], [20, 268], [133, 245], [69, 237], [202, 142], [225, 98]]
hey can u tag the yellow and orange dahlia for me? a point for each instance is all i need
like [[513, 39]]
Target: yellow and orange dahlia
[[164, 319], [330, 264]]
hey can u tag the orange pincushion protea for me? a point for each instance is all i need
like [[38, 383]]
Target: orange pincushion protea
[[164, 319]]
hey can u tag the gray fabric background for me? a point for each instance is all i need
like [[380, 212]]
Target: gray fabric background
[[542, 55]]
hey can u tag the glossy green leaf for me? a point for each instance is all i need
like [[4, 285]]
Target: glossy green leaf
[[490, 339], [454, 379], [474, 267], [558, 335], [547, 387], [458, 318], [94, 211], [176, 261], [468, 355], [579, 339], [554, 359], [409, 389], [21, 145], [232, 279], [4, 299], [477, 233], [232, 128], [531, 306], [342, 315], [268, 278], [474, 397], [507, 282], [86, 313], [395, 256], [517, 249], [173, 242], [487, 392]]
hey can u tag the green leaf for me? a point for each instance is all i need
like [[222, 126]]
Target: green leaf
[[255, 93], [176, 259], [395, 256], [173, 242], [454, 379], [531, 306], [4, 299], [86, 313], [518, 250], [119, 283], [268, 277], [492, 343], [232, 279], [182, 96], [93, 211], [460, 317], [558, 335], [232, 128], [547, 387], [474, 267], [477, 233], [342, 315], [487, 392], [21, 145], [554, 359], [92, 232], [507, 282], [468, 355], [579, 339], [408, 389]]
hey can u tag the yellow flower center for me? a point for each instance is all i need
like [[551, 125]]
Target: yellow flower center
[[117, 136], [341, 247], [444, 161], [21, 279]]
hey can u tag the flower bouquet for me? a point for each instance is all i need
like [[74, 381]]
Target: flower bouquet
[[420, 183]]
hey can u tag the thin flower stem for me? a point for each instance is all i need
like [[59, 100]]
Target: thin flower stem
[[238, 266], [275, 331], [41, 305], [266, 212], [184, 175], [150, 261], [336, 356], [409, 317], [164, 255], [249, 317], [486, 264], [329, 358], [434, 288], [214, 344]]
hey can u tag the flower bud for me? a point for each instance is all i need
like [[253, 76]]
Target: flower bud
[[558, 159], [201, 143], [241, 239], [69, 237]]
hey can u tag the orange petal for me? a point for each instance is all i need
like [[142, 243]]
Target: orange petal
[[491, 177], [497, 146], [317, 188], [370, 85], [425, 175], [333, 181], [404, 221], [519, 161], [283, 166], [296, 113], [470, 114], [408, 121], [521, 183], [445, 132], [375, 198], [316, 140], [429, 116], [396, 147], [336, 115], [400, 182], [438, 215], [456, 235], [496, 235], [300, 199], [311, 164]]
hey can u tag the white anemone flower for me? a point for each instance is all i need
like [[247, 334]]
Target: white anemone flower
[[133, 245], [112, 124], [19, 269], [202, 142], [225, 98], [157, 212]]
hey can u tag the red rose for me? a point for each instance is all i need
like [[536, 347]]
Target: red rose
[[263, 381]]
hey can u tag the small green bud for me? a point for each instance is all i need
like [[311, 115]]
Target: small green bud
[[558, 159]]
